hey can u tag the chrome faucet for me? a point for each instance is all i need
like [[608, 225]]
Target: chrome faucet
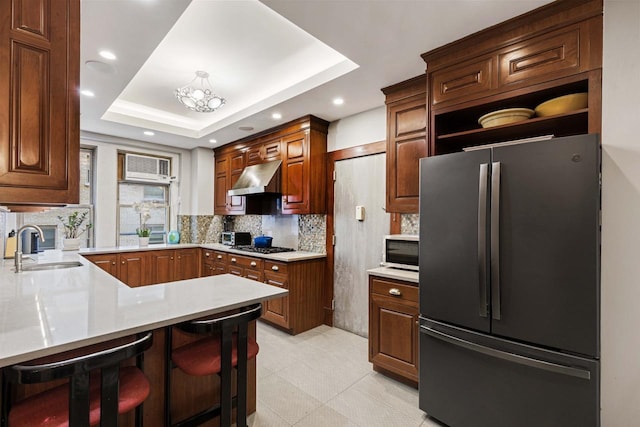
[[18, 252]]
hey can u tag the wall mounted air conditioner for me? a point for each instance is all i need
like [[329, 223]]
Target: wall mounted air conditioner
[[146, 169]]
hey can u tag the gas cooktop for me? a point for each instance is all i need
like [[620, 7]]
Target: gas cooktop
[[272, 250]]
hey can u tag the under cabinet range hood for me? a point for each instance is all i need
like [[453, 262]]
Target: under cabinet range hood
[[263, 178]]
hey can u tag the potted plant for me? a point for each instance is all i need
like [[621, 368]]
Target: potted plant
[[72, 229], [143, 232]]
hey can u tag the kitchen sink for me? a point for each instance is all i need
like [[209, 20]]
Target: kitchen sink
[[51, 265]]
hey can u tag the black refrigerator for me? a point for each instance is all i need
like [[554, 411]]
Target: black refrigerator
[[510, 285]]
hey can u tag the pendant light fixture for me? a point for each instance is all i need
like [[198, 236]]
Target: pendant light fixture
[[199, 98]]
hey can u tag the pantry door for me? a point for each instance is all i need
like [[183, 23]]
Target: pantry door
[[358, 181]]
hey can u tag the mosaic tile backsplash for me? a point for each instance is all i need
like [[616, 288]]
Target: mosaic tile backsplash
[[301, 232], [410, 223]]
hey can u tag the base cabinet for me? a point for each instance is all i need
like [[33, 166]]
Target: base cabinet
[[393, 327]]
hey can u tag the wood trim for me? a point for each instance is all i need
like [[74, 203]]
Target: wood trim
[[332, 157]]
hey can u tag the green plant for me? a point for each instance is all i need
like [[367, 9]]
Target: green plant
[[73, 223], [144, 209]]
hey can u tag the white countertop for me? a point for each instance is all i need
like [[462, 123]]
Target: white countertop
[[49, 311], [282, 256], [395, 273]]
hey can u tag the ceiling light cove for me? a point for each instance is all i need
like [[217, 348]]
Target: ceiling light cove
[[256, 59]]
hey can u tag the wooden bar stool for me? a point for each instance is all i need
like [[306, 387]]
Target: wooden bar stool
[[228, 346], [97, 392]]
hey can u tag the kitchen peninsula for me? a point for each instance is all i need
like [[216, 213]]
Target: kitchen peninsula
[[50, 311]]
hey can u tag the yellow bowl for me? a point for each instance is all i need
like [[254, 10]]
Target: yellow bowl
[[503, 117], [562, 104]]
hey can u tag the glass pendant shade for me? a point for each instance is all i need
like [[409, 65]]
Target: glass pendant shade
[[200, 99]]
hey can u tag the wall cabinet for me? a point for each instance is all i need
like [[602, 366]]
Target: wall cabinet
[[228, 168], [302, 147], [406, 142], [39, 102], [393, 327], [550, 52]]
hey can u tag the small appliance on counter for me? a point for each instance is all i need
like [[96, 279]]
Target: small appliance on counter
[[30, 242], [401, 251], [10, 245], [235, 238]]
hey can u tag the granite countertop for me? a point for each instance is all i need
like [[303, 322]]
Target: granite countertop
[[282, 256], [49, 311], [395, 273]]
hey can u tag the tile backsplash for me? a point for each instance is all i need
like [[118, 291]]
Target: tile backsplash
[[301, 232], [410, 223]]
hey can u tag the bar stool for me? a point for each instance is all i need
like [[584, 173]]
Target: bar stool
[[228, 347], [90, 397]]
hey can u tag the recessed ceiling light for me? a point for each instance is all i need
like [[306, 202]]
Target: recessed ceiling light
[[100, 67], [107, 55], [276, 116], [246, 128], [213, 141], [338, 101], [148, 133], [88, 93]]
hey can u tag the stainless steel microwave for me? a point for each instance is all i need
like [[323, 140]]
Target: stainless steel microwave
[[401, 251]]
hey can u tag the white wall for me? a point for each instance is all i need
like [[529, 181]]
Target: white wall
[[621, 215], [202, 172], [106, 185], [362, 128]]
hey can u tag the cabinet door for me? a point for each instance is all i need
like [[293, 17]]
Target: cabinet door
[[406, 145], [393, 327], [277, 310], [107, 262], [221, 185], [237, 164], [186, 264], [295, 179], [161, 266], [39, 104], [132, 268]]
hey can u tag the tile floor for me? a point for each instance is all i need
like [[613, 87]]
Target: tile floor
[[322, 378]]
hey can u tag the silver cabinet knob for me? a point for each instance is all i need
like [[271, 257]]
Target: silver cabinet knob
[[207, 254], [219, 256], [253, 264], [275, 268], [233, 260], [395, 292]]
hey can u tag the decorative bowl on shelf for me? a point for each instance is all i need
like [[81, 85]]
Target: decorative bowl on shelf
[[503, 117], [562, 104]]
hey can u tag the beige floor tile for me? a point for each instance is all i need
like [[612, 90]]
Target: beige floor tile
[[325, 417], [394, 393], [265, 417], [364, 410], [287, 401]]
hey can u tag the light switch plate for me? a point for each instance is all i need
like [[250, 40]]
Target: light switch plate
[[360, 213]]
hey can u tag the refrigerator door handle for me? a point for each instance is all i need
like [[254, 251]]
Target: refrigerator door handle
[[482, 238], [511, 357], [495, 241]]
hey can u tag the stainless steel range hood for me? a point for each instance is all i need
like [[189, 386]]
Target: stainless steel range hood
[[258, 179]]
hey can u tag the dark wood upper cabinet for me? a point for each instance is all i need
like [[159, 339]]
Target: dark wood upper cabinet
[[301, 145], [39, 102], [406, 142], [549, 52]]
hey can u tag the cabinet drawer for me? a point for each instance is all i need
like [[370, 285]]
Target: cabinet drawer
[[275, 267], [554, 54], [468, 80], [395, 289], [246, 262], [213, 256]]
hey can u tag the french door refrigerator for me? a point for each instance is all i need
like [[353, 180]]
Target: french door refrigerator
[[509, 285]]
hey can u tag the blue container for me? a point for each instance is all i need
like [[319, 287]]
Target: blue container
[[262, 241], [173, 237]]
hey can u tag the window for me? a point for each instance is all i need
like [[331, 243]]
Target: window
[[129, 220], [48, 220]]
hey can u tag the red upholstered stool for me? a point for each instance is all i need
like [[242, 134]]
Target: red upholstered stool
[[97, 392], [228, 346]]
